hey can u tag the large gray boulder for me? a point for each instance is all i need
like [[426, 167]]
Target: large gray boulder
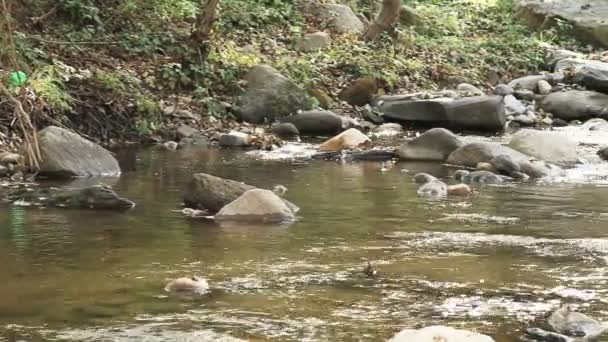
[[270, 95], [588, 17], [575, 62], [316, 122], [593, 76], [66, 154], [433, 189], [576, 104], [439, 333], [212, 193], [340, 18], [552, 147], [472, 154], [435, 144], [479, 112], [256, 205]]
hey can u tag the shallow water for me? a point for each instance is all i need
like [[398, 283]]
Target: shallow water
[[492, 263]]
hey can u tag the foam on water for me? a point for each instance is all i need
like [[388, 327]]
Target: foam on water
[[479, 218], [591, 248], [288, 151], [476, 307]]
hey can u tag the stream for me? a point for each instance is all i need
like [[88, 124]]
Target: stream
[[493, 262]]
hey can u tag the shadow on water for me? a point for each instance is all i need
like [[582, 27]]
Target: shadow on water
[[492, 263]]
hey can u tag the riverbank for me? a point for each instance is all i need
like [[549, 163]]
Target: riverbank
[[120, 84]]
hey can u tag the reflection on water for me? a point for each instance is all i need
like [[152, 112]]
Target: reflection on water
[[492, 262]]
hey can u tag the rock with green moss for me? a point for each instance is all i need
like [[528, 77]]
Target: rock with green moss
[[270, 96]]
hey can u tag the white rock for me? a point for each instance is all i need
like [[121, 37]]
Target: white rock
[[552, 147], [351, 138], [194, 285], [439, 334], [256, 205]]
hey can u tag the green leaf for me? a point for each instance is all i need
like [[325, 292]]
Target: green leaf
[[16, 79]]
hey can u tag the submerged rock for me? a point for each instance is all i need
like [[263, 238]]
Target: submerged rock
[[552, 147], [270, 95], [435, 144], [433, 189], [371, 155], [483, 177], [571, 323], [459, 190], [212, 193], [505, 164], [316, 122], [256, 205], [422, 178], [542, 335], [472, 154], [170, 145], [348, 139], [439, 334], [194, 285], [66, 154], [576, 104], [100, 197]]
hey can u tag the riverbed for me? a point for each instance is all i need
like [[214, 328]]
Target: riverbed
[[493, 262]]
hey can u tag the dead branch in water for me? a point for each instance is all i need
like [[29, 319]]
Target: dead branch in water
[[388, 16]]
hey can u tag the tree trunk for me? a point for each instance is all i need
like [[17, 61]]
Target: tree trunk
[[202, 29], [389, 15]]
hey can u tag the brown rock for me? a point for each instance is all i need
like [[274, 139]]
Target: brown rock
[[459, 190], [351, 138]]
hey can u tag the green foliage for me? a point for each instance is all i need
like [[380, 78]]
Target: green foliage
[[81, 12], [48, 83], [267, 15]]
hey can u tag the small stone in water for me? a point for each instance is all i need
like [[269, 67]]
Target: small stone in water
[[170, 145]]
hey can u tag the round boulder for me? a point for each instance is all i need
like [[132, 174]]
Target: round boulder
[[552, 147], [316, 122], [256, 206], [435, 144]]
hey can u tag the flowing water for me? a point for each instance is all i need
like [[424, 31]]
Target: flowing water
[[491, 263]]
